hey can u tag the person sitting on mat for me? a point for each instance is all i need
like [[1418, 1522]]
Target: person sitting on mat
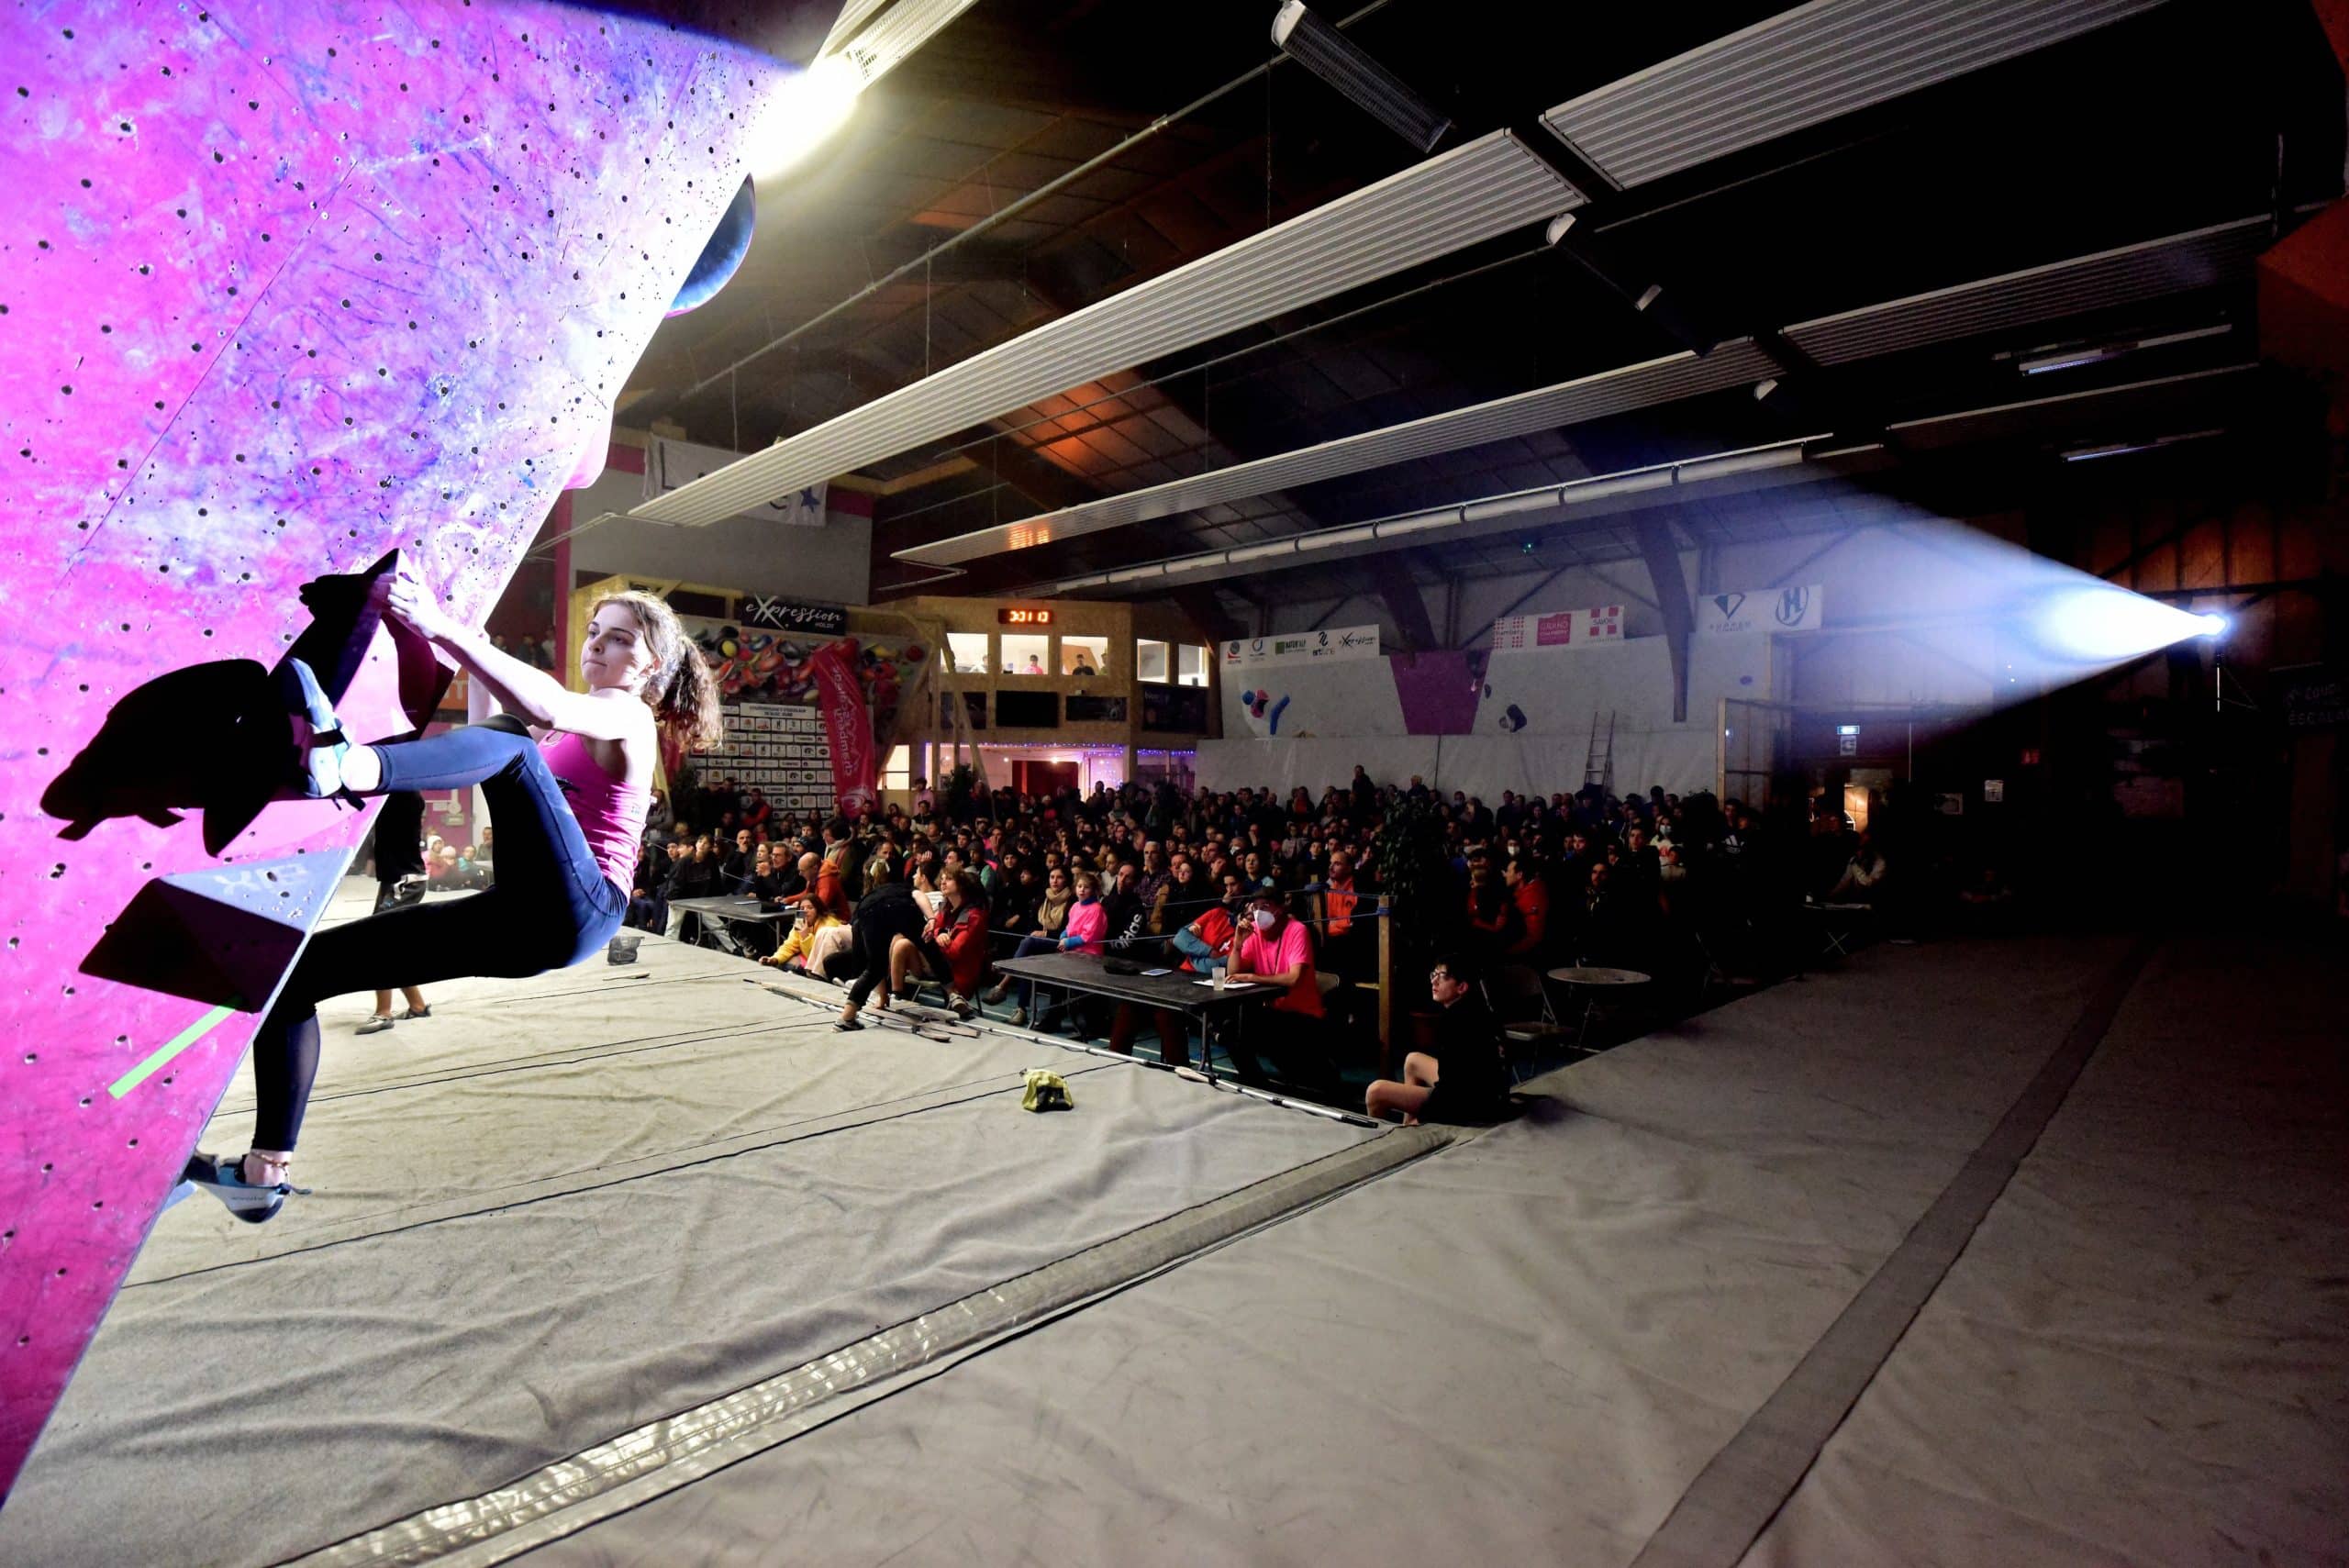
[[1464, 1079], [573, 813], [953, 946]]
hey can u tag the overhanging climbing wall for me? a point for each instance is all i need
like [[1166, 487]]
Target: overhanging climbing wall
[[286, 285]]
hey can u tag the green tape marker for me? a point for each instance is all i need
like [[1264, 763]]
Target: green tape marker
[[171, 1048]]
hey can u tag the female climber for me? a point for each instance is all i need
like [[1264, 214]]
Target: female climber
[[570, 815]]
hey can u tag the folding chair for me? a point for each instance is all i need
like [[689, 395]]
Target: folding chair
[[1528, 1025]]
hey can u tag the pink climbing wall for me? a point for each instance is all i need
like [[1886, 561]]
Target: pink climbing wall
[[284, 286]]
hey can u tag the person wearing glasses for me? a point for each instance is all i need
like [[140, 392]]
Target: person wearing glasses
[[1464, 1079]]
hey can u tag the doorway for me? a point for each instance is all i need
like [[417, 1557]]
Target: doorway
[[1037, 779]]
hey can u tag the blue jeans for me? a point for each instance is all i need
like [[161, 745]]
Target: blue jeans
[[550, 906], [1030, 946]]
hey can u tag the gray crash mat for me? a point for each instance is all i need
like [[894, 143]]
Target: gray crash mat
[[564, 1207], [1537, 1346]]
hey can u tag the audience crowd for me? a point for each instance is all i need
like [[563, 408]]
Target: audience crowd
[[1667, 885]]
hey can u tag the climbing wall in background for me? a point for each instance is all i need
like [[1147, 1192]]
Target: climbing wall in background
[[286, 285]]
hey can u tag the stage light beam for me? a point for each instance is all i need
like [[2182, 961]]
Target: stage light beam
[[2105, 625], [803, 114]]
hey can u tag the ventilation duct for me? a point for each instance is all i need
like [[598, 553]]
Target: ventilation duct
[[1803, 67], [1455, 199]]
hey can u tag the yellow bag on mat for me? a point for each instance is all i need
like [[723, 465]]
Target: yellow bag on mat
[[1046, 1092]]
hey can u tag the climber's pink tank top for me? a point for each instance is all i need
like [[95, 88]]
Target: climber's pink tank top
[[610, 813]]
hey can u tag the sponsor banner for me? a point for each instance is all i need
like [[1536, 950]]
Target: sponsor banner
[[791, 615], [2314, 696], [781, 751], [1762, 609], [1302, 647], [848, 723], [1562, 629], [670, 464]]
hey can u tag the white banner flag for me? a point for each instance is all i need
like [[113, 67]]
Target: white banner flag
[[1561, 628], [669, 465], [1764, 609], [1301, 647]]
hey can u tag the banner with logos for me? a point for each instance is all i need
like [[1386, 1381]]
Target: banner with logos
[[669, 465], [1302, 647], [778, 750], [1762, 609], [1562, 629]]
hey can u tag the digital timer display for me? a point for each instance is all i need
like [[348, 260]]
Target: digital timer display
[[1023, 617]]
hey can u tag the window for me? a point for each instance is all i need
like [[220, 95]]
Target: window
[[1190, 665], [1084, 655], [1153, 663], [897, 772], [1024, 654], [1028, 710], [968, 650]]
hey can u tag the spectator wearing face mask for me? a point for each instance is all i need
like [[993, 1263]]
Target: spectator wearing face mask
[[1277, 951]]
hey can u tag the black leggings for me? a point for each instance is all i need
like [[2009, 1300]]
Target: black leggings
[[874, 930], [550, 906]]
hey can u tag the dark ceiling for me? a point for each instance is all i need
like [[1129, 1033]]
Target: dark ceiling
[[2200, 112]]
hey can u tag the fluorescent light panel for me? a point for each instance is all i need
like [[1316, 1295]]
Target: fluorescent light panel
[[878, 45], [2130, 274], [1810, 64], [1447, 203], [1474, 518], [1547, 407], [2173, 264]]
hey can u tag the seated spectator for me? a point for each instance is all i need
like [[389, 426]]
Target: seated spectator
[[1464, 1079], [1278, 951], [1043, 936], [694, 876], [1080, 933], [799, 949], [1125, 914], [1349, 940], [953, 946], [1866, 876], [1532, 897], [1205, 942], [1494, 923]]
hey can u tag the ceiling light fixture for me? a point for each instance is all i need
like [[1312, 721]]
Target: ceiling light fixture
[[2118, 448], [1345, 65], [2040, 361]]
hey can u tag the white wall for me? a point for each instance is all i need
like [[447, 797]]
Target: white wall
[[833, 564], [1535, 721]]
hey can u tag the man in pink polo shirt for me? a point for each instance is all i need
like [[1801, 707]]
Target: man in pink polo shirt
[[1278, 951]]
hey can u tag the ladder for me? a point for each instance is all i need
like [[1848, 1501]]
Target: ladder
[[1599, 762]]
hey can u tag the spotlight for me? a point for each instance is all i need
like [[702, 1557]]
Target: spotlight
[[803, 113], [1368, 86], [2106, 625], [2213, 624]]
